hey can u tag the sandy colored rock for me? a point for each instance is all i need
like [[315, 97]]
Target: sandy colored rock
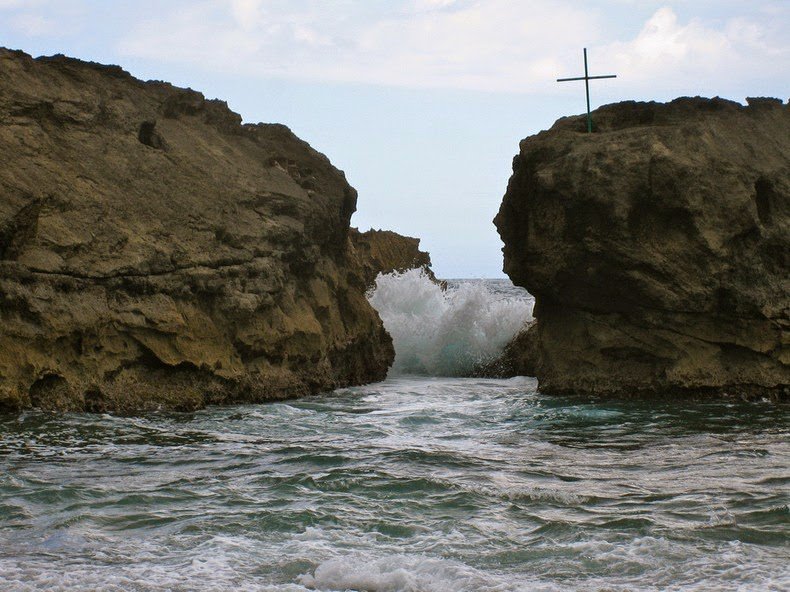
[[384, 251], [657, 248], [156, 253]]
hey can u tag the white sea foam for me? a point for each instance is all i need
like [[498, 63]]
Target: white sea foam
[[401, 573], [445, 333]]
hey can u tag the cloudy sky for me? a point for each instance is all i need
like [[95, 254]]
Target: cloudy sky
[[422, 102]]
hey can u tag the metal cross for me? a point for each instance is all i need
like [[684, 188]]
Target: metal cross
[[587, 79]]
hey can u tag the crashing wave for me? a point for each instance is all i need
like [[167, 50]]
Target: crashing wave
[[446, 332]]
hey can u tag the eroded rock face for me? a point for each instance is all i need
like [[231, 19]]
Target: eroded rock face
[[384, 251], [156, 253], [657, 248]]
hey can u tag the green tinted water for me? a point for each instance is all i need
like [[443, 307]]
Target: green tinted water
[[415, 484]]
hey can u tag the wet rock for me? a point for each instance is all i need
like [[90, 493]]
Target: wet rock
[[517, 359]]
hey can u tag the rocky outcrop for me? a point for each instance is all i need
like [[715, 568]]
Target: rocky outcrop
[[657, 248], [384, 251], [156, 253], [517, 358]]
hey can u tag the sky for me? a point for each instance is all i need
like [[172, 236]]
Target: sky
[[422, 103]]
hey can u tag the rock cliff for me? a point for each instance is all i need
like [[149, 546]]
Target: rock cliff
[[657, 248], [384, 251], [156, 253]]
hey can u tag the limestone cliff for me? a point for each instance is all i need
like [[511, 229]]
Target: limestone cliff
[[156, 253], [657, 248], [384, 251]]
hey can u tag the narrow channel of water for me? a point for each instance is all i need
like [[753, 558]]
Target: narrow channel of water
[[414, 484], [417, 484]]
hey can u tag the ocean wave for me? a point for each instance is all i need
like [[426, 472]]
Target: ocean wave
[[445, 332], [401, 573]]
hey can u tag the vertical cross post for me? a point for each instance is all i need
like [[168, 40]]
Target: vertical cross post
[[587, 90], [587, 79]]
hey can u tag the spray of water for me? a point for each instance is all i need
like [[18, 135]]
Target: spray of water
[[446, 333]]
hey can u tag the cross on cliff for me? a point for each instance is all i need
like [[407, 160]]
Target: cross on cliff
[[587, 79]]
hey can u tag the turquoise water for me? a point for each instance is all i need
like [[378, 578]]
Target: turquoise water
[[414, 484]]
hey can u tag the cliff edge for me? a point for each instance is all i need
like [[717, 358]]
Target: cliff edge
[[155, 253], [657, 248], [385, 251]]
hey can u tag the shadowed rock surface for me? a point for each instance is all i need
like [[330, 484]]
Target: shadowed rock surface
[[517, 359], [156, 253], [657, 248], [384, 251]]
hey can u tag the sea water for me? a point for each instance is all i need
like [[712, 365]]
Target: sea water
[[447, 331], [417, 484]]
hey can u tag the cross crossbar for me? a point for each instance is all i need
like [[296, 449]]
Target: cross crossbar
[[587, 79]]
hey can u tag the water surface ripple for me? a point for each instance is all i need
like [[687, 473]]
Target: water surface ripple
[[414, 484]]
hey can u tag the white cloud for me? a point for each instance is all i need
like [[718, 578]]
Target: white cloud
[[497, 45], [493, 45], [425, 5], [33, 25], [668, 53], [42, 18], [246, 12]]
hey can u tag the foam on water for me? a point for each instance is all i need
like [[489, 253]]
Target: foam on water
[[401, 573], [446, 332], [428, 484]]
